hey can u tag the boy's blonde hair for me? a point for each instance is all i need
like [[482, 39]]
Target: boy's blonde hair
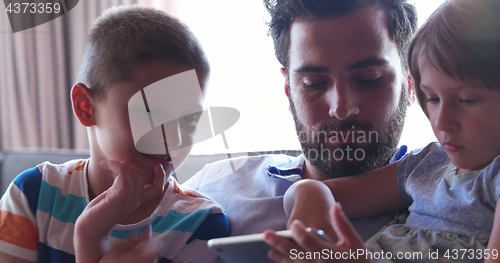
[[125, 37], [461, 39]]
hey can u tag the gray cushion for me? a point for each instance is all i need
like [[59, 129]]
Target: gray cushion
[[14, 162]]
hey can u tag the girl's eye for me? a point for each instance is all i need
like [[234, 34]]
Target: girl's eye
[[465, 101], [432, 100]]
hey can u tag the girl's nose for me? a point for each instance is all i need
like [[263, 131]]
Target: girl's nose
[[446, 118]]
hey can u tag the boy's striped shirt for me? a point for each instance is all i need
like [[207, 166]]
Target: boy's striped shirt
[[40, 207]]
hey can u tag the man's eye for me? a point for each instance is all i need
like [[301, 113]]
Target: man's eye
[[315, 86], [369, 82]]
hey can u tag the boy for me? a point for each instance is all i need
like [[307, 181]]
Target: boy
[[128, 49]]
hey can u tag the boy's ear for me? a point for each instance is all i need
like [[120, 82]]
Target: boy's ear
[[287, 85], [81, 99]]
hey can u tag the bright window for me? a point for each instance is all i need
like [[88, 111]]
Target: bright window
[[246, 76]]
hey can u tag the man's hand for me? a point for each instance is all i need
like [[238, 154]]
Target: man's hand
[[112, 206], [306, 242]]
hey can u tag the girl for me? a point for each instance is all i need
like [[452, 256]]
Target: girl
[[452, 187]]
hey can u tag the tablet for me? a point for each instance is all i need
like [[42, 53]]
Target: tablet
[[245, 248]]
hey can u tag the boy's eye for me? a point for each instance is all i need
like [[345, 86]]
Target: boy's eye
[[191, 118]]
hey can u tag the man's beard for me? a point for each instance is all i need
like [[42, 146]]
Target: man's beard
[[335, 163]]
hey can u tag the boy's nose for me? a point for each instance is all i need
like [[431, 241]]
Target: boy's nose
[[172, 134], [342, 103]]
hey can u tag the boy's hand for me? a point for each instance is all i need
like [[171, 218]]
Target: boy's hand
[[306, 243], [112, 206]]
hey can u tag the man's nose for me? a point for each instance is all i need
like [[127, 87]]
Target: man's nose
[[343, 102]]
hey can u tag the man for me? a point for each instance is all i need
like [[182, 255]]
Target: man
[[347, 82]]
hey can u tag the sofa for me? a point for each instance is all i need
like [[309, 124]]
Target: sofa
[[14, 162]]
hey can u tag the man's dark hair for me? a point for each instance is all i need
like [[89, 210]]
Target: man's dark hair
[[402, 18]]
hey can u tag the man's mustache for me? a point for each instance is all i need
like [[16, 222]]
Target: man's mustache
[[342, 125]]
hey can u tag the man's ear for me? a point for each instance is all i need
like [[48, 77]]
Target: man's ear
[[287, 85], [411, 88], [81, 99]]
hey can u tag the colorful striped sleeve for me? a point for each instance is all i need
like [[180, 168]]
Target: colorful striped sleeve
[[195, 250], [18, 231]]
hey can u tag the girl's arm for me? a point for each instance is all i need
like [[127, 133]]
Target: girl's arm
[[494, 242], [368, 194], [362, 195], [286, 251], [309, 201]]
